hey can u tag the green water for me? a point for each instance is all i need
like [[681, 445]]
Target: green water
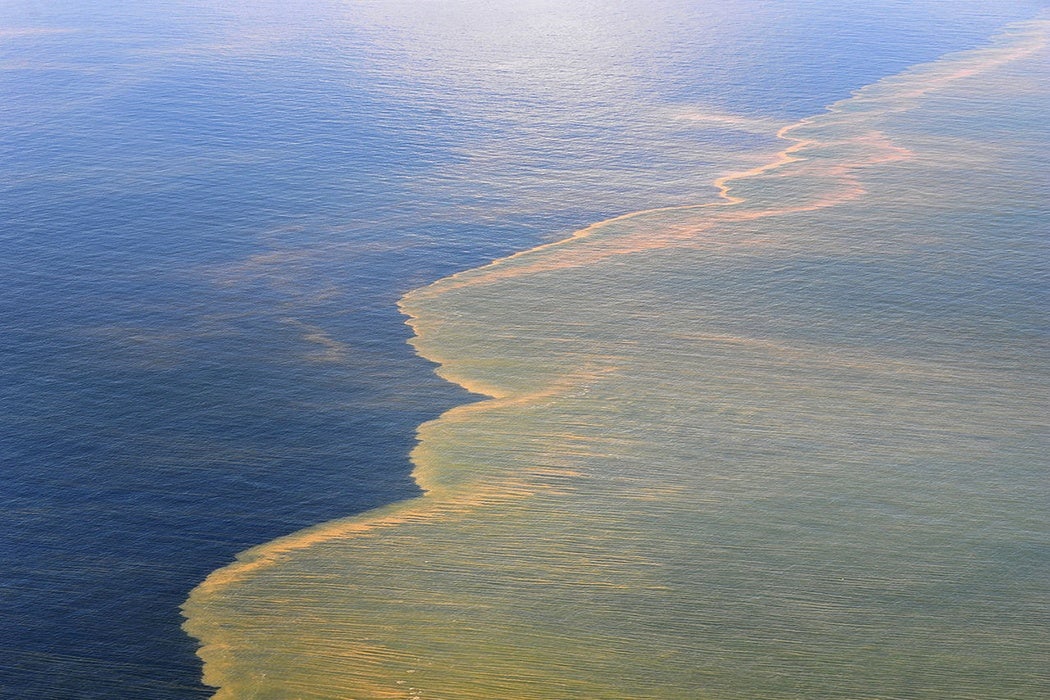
[[791, 444]]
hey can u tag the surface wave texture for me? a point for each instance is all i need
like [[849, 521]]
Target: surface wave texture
[[787, 445]]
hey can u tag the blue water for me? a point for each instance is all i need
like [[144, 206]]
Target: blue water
[[208, 213]]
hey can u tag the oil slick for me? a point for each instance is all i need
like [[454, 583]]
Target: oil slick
[[784, 445]]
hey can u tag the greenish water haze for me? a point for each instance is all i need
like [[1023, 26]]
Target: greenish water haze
[[791, 444]]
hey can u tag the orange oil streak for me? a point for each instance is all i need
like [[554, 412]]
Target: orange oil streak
[[847, 186], [440, 503]]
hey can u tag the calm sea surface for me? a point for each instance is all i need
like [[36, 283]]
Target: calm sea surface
[[208, 214]]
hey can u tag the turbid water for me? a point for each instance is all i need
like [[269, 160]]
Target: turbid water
[[786, 444]]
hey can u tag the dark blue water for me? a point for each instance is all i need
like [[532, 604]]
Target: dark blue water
[[207, 215]]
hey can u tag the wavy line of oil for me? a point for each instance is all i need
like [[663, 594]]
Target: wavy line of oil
[[807, 157], [799, 160], [814, 158]]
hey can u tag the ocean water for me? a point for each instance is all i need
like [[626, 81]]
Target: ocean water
[[786, 441]]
